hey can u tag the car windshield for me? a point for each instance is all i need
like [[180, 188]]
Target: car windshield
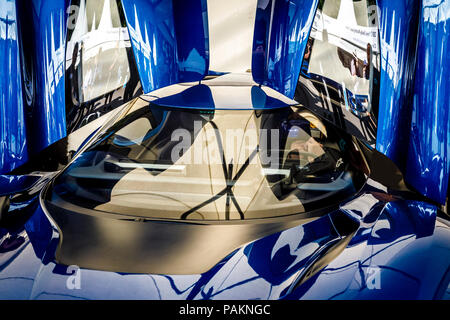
[[174, 163]]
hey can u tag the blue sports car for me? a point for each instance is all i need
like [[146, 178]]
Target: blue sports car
[[130, 170]]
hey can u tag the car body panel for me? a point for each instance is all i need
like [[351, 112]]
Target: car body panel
[[386, 241], [169, 39], [13, 132], [397, 23], [280, 36], [428, 161], [382, 260], [47, 121]]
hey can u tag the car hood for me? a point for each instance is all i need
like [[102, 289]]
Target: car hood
[[321, 258]]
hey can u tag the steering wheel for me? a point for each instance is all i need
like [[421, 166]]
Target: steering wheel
[[315, 168]]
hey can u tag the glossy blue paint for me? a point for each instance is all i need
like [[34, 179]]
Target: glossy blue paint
[[383, 260], [47, 122], [169, 39], [398, 22], [392, 238], [428, 164], [13, 145], [281, 32], [15, 184]]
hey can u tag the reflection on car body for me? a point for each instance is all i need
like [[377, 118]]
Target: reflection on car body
[[220, 186], [101, 73], [340, 68]]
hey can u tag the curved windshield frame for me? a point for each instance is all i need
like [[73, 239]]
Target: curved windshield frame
[[211, 165]]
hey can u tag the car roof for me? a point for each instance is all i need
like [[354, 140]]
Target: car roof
[[232, 91]]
